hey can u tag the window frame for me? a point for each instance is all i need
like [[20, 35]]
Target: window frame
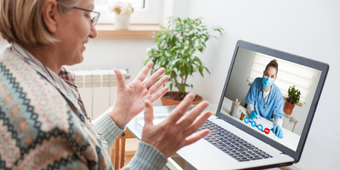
[[151, 14]]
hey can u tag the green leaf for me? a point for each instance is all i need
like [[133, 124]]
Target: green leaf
[[206, 37], [183, 89], [170, 86], [219, 30], [167, 70], [206, 69], [200, 70], [186, 44], [200, 48], [198, 60], [203, 44], [174, 62], [182, 52], [167, 54], [162, 50]]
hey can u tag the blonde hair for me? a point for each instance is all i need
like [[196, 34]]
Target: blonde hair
[[19, 25]]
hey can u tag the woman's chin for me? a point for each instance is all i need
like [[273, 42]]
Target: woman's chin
[[80, 60], [77, 60]]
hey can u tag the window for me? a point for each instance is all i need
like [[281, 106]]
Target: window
[[289, 74], [145, 12]]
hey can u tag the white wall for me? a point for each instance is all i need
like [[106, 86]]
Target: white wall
[[306, 28], [119, 53]]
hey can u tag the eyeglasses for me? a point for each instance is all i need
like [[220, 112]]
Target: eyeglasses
[[94, 15]]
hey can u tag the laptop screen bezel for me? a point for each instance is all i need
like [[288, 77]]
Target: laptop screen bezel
[[323, 67]]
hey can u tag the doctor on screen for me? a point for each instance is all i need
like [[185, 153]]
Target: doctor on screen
[[264, 98]]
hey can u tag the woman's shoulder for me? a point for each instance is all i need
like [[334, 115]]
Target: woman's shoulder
[[27, 88], [258, 81]]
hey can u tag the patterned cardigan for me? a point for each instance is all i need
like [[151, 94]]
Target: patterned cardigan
[[40, 129]]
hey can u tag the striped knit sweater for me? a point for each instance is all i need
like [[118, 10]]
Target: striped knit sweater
[[40, 129]]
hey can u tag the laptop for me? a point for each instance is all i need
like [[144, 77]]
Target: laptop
[[237, 142]]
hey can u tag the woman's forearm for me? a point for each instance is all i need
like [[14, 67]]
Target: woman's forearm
[[107, 127]]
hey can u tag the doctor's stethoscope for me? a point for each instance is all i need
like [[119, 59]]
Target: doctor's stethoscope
[[266, 103]]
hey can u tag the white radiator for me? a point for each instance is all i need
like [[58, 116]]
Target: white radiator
[[98, 89]]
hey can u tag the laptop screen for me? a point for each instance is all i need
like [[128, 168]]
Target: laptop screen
[[272, 94]]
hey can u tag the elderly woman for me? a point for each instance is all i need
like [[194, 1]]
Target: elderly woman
[[43, 123]]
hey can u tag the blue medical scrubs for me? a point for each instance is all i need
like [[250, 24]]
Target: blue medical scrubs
[[274, 100]]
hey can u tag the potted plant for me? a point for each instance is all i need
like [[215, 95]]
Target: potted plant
[[293, 98], [175, 49]]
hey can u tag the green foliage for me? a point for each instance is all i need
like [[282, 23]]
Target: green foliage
[[176, 47], [293, 95]]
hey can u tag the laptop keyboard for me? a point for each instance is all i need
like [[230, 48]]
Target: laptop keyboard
[[231, 144]]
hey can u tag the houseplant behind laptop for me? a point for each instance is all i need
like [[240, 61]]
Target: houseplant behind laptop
[[175, 50], [293, 98]]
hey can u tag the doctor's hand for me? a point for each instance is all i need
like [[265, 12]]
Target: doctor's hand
[[177, 130], [131, 97], [278, 131], [253, 115]]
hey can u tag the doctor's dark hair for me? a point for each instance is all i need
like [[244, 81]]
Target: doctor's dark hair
[[274, 64]]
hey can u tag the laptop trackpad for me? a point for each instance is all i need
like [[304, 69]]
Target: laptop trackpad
[[199, 155]]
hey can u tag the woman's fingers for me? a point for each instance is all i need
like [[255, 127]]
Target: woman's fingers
[[119, 80], [179, 111], [152, 79], [159, 94], [187, 120], [148, 112], [158, 84], [197, 124], [169, 136], [144, 72], [195, 137]]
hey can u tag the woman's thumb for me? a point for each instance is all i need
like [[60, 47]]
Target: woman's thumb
[[148, 112], [119, 80]]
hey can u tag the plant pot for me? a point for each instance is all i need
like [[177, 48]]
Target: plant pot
[[289, 108], [121, 23], [169, 102]]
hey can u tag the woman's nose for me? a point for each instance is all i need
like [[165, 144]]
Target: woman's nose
[[93, 33]]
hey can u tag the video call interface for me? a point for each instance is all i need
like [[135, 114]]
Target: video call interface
[[257, 98]]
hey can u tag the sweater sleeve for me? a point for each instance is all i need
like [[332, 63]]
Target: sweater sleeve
[[146, 157], [107, 127]]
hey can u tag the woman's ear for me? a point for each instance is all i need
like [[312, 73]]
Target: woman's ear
[[49, 14]]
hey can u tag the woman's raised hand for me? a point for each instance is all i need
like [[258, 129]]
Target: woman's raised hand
[[131, 97], [177, 130]]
